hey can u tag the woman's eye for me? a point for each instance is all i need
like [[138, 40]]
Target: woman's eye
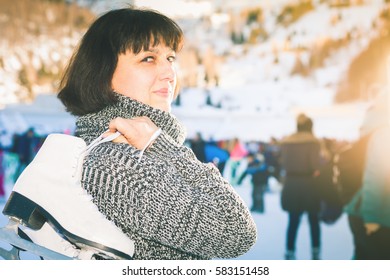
[[172, 58], [148, 59]]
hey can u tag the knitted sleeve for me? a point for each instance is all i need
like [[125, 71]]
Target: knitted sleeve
[[171, 198]]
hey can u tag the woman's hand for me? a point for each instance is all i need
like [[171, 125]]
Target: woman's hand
[[136, 131]]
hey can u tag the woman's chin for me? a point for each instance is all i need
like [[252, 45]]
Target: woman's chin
[[163, 106]]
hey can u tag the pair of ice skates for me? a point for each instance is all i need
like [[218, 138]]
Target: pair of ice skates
[[51, 215]]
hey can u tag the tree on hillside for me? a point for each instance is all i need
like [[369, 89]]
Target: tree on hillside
[[368, 72]]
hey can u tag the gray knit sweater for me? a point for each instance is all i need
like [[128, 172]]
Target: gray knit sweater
[[172, 205]]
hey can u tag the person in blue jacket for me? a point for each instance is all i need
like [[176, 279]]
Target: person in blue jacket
[[258, 169]]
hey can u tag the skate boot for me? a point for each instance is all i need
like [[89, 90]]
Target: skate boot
[[49, 191]]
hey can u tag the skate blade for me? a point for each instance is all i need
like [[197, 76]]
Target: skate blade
[[9, 235], [13, 254], [48, 237]]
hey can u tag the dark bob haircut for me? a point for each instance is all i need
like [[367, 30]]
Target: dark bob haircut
[[86, 84]]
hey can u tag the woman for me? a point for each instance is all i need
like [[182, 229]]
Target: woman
[[123, 78]]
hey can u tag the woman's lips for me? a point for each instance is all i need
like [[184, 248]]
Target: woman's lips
[[162, 92]]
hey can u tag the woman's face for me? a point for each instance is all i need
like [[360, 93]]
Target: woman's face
[[148, 77]]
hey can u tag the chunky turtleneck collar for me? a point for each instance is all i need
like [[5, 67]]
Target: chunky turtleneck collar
[[92, 125]]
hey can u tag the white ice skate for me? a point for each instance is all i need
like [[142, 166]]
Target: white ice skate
[[49, 192]]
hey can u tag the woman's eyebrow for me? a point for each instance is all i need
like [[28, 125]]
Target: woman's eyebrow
[[154, 50]]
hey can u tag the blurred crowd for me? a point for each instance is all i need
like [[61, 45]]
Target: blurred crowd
[[21, 151], [304, 168]]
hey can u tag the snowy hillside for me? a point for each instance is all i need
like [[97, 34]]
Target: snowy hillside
[[259, 98], [265, 61]]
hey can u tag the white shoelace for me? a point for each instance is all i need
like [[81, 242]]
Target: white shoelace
[[152, 138], [99, 140], [92, 145]]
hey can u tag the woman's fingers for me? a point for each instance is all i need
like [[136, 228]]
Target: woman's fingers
[[120, 124], [136, 131], [121, 139]]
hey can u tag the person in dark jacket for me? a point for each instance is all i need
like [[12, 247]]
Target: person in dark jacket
[[25, 148], [300, 160], [198, 147]]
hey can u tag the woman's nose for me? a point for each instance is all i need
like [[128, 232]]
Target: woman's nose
[[167, 71]]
